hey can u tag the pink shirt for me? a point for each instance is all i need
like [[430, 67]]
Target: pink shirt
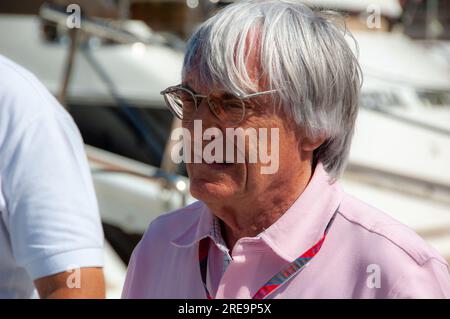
[[366, 254]]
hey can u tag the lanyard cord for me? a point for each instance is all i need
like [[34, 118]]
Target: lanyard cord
[[285, 274]]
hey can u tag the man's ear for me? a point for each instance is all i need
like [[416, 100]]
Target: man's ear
[[309, 145]]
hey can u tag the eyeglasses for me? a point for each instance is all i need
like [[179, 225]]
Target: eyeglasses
[[226, 107]]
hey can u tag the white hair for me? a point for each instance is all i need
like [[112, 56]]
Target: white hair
[[303, 51]]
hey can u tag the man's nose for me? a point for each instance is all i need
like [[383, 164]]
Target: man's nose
[[209, 120]]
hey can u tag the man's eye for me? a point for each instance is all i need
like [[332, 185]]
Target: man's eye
[[233, 104], [188, 105]]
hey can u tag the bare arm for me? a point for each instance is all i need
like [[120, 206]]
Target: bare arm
[[86, 283]]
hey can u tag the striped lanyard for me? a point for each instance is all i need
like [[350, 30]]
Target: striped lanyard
[[286, 273]]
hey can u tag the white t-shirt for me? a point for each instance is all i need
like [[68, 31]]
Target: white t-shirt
[[49, 220]]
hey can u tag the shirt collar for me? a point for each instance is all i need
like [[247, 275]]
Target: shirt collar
[[297, 230], [216, 234], [198, 230]]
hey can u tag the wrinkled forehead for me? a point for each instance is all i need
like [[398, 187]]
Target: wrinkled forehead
[[194, 80]]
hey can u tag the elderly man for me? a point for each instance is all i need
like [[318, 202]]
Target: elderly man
[[292, 233]]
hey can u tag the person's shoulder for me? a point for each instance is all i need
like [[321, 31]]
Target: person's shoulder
[[16, 80], [22, 95], [155, 252], [383, 235], [26, 105]]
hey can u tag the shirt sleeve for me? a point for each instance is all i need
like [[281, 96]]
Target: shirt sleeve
[[431, 280], [52, 212]]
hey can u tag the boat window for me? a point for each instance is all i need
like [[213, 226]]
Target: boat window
[[435, 98], [378, 100]]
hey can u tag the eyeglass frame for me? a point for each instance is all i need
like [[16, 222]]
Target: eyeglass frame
[[241, 97]]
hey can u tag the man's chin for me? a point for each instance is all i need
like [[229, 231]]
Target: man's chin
[[211, 191]]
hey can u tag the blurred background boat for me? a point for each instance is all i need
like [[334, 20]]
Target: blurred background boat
[[109, 73]]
